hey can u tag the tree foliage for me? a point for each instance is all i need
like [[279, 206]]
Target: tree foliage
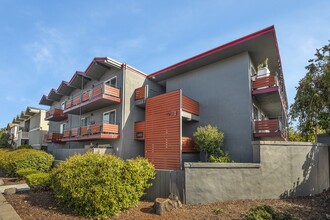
[[209, 139], [312, 101], [4, 138]]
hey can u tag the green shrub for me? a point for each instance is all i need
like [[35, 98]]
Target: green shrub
[[38, 181], [266, 212], [25, 146], [209, 139], [95, 185], [26, 171], [26, 158], [225, 158]]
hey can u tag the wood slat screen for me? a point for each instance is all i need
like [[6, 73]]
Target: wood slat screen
[[162, 140]]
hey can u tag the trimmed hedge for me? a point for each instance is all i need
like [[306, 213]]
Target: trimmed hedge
[[25, 146], [95, 185], [14, 160], [22, 173], [38, 181]]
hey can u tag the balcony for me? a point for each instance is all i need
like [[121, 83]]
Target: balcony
[[139, 130], [141, 95], [269, 93], [92, 132], [188, 145], [271, 129], [190, 109], [56, 114], [53, 137], [98, 97]]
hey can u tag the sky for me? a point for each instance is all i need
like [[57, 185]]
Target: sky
[[45, 42]]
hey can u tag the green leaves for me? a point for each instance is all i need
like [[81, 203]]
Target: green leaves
[[210, 140], [312, 101], [95, 185], [14, 160]]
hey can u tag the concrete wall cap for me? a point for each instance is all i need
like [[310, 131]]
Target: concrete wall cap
[[286, 143], [222, 165]]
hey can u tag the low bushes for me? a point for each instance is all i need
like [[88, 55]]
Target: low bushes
[[14, 160], [95, 185], [25, 146], [38, 181], [22, 173], [266, 212]]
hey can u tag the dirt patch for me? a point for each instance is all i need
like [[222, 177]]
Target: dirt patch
[[11, 181], [41, 205]]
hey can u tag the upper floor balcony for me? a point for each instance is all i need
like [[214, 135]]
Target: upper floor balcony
[[56, 114], [99, 96], [270, 94], [92, 132], [271, 129], [53, 137]]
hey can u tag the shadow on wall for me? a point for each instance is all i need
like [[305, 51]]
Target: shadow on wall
[[310, 176]]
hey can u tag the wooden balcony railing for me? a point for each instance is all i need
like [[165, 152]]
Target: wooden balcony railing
[[54, 137], [104, 128], [66, 133], [188, 145], [90, 94], [267, 125], [190, 105], [265, 82], [270, 128], [140, 93], [55, 114], [139, 130], [90, 130]]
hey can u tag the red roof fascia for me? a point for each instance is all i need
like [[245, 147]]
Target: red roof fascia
[[94, 60], [217, 49]]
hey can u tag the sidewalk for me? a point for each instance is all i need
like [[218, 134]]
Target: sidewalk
[[7, 212]]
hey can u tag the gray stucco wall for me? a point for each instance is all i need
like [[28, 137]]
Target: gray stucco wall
[[129, 148], [223, 92], [286, 169]]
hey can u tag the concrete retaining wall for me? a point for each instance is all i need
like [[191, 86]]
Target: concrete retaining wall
[[281, 170]]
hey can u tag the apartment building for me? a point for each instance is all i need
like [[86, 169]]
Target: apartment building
[[12, 130], [31, 127], [114, 105]]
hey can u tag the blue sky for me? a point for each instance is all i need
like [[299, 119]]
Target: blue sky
[[45, 42]]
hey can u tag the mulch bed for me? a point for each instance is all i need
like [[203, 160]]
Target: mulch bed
[[41, 205]]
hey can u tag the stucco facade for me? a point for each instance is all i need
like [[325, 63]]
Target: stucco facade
[[220, 87]]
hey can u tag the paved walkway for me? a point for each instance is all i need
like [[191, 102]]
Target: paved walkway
[[7, 212]]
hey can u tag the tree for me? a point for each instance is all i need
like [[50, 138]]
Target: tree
[[4, 138], [312, 102], [209, 139]]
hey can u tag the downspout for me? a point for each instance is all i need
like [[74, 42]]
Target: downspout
[[123, 109]]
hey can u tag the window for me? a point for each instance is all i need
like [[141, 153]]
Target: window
[[84, 121], [112, 82], [109, 117], [62, 128], [63, 105]]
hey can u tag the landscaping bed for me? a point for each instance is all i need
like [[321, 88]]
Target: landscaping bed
[[41, 205]]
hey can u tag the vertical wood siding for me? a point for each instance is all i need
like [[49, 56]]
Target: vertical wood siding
[[162, 140]]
